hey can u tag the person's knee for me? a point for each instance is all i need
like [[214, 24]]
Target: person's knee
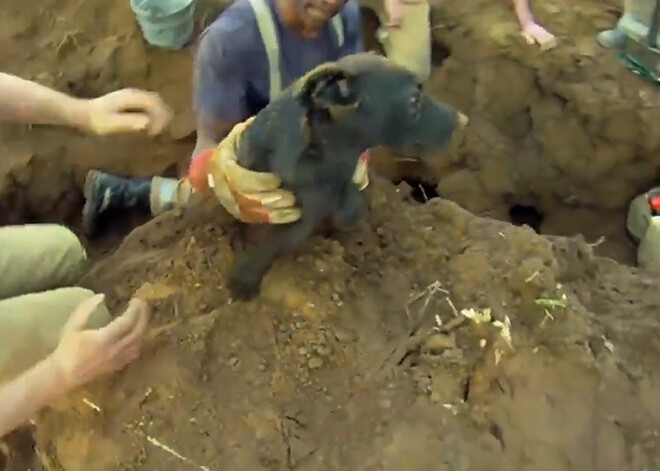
[[66, 246], [70, 246], [45, 313], [72, 297], [39, 257], [31, 325]]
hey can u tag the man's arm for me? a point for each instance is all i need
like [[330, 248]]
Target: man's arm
[[80, 357], [523, 13], [210, 133], [22, 398], [23, 101], [531, 30], [219, 87], [222, 117]]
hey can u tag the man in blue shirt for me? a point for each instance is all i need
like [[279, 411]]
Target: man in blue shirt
[[232, 74], [255, 49]]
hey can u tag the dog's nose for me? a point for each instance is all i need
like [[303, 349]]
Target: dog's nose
[[463, 120]]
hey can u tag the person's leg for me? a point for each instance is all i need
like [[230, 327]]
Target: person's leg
[[611, 38], [37, 258], [634, 23], [104, 191], [409, 45], [31, 325]]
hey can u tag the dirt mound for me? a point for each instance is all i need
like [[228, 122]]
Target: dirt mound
[[569, 132], [358, 355], [569, 126]]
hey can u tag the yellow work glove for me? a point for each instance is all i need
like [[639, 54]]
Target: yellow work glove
[[251, 197]]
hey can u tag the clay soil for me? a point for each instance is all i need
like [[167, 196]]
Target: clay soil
[[430, 338]]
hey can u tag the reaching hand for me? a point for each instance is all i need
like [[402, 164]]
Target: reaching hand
[[84, 355], [127, 110], [535, 33]]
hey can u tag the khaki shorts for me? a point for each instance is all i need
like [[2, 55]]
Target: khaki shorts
[[410, 44], [38, 263]]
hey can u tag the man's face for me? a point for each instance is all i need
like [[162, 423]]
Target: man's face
[[314, 13]]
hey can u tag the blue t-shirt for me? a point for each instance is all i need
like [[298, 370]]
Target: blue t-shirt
[[232, 79]]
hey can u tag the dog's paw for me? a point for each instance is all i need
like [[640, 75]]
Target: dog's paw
[[242, 287]]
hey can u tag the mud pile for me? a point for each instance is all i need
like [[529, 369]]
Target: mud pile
[[570, 125], [566, 136], [360, 353]]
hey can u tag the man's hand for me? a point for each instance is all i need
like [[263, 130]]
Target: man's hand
[[535, 33], [127, 110], [251, 197], [80, 357], [84, 355]]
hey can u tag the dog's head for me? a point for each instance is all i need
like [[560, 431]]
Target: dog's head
[[369, 101]]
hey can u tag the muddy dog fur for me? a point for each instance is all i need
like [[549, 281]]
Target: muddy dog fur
[[312, 136]]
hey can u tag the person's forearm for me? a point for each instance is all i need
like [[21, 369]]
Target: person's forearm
[[523, 12], [210, 134], [26, 395], [204, 143], [23, 101]]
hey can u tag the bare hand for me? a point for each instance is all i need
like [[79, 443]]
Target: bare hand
[[127, 110], [84, 355], [535, 33]]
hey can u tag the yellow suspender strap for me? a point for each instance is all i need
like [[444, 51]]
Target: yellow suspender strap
[[338, 24], [268, 33], [266, 25]]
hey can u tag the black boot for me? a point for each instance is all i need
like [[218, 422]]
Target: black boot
[[104, 191]]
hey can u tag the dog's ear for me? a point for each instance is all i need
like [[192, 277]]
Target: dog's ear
[[328, 87]]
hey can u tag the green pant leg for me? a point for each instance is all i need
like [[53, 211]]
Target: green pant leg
[[38, 257]]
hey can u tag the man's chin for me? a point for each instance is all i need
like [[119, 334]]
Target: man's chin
[[312, 29]]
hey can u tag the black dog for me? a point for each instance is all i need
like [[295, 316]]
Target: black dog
[[312, 135]]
